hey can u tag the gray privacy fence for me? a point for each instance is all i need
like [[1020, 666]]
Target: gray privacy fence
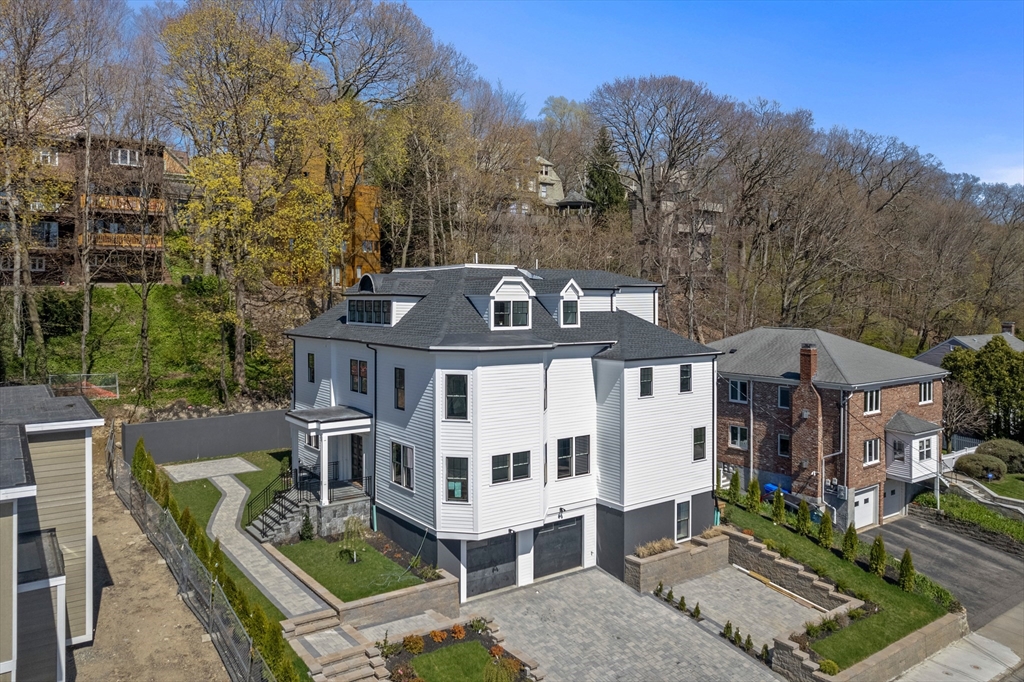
[[195, 584], [181, 439]]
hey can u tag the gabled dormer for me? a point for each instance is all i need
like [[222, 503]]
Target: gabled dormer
[[569, 305], [368, 305], [509, 305]]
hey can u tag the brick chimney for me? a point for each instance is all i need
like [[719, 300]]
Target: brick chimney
[[808, 362], [1009, 328]]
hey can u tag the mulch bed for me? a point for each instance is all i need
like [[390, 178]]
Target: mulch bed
[[391, 550], [400, 664]]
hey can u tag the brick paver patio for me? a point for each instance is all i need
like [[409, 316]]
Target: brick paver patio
[[589, 626]]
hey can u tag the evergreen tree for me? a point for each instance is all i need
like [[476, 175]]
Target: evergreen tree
[[753, 502], [603, 185], [734, 488], [825, 531], [850, 543], [907, 573], [876, 564], [778, 507], [803, 518]]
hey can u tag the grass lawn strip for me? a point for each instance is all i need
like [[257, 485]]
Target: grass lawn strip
[[1012, 485], [372, 574], [957, 507], [902, 612], [463, 662]]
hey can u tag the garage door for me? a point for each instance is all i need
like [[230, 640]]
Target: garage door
[[865, 507], [557, 547], [490, 564], [892, 498]]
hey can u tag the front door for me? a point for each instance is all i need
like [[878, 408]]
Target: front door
[[357, 458]]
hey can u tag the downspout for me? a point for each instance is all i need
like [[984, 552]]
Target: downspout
[[715, 482], [373, 499], [750, 433]]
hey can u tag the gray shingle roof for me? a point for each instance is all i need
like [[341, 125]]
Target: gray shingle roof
[[905, 423], [774, 352], [444, 317], [37, 405], [15, 463], [978, 341]]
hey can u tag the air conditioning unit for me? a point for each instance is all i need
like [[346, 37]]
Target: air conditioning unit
[[842, 492]]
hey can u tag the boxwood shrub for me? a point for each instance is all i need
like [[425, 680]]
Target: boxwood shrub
[[980, 466], [1010, 451]]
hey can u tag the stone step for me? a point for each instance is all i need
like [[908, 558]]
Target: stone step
[[317, 626], [363, 673], [355, 663], [354, 653]]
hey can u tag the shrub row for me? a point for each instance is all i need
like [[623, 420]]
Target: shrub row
[[1009, 451]]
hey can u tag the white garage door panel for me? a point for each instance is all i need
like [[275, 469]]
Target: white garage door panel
[[865, 507]]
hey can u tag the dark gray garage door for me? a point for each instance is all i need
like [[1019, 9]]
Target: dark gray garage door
[[557, 547], [490, 564]]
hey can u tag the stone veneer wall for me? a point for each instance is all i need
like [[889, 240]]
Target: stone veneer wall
[[748, 553], [796, 665], [972, 530], [327, 521], [692, 560]]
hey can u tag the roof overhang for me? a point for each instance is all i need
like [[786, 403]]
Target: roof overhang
[[336, 420], [64, 426], [17, 492]]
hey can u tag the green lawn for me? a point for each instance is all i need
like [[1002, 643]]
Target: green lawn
[[1012, 485], [902, 612], [462, 662], [957, 507], [372, 574]]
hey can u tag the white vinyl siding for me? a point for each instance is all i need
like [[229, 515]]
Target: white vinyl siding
[[454, 439], [638, 301], [571, 413], [596, 300], [316, 393], [608, 449], [400, 306]]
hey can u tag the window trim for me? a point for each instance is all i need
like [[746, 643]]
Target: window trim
[[359, 309], [735, 443], [742, 391], [899, 454], [403, 448], [921, 451], [789, 397], [650, 382], [874, 405], [703, 443], [925, 387], [446, 417], [688, 368], [507, 467], [561, 311], [313, 440], [529, 465], [399, 390], [311, 368], [359, 381], [512, 314], [689, 516], [448, 480], [789, 439], [871, 452]]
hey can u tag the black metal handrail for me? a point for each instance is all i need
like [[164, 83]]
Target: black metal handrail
[[261, 501], [338, 489]]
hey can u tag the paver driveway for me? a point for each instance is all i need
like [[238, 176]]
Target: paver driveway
[[985, 580], [589, 626]]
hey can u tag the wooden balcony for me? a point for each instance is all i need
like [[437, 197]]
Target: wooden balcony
[[121, 204], [124, 241]]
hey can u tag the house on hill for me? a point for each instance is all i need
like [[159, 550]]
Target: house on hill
[[841, 424], [509, 424], [935, 354]]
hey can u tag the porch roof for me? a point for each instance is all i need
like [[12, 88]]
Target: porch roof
[[326, 417], [905, 423]]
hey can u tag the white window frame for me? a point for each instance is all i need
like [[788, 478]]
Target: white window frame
[[925, 393], [789, 439], [739, 391], [313, 441], [789, 397], [37, 264], [873, 401], [408, 466], [871, 452], [561, 311], [512, 314], [468, 416], [735, 441], [51, 156], [704, 443], [924, 449], [686, 371], [447, 469], [689, 518], [120, 156], [899, 454]]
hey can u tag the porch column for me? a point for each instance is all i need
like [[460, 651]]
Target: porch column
[[324, 483]]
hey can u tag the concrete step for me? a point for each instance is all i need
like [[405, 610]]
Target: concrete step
[[363, 673], [347, 665]]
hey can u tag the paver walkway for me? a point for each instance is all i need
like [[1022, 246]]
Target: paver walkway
[[194, 471], [756, 609], [587, 625]]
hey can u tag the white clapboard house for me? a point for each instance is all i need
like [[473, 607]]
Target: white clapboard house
[[509, 424]]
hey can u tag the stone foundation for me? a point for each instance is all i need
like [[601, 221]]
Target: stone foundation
[[327, 521], [692, 560]]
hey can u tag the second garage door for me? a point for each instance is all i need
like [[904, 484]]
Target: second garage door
[[558, 547], [865, 507], [490, 564]]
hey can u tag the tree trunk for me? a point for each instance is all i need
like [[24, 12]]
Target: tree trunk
[[239, 364], [147, 381], [12, 220]]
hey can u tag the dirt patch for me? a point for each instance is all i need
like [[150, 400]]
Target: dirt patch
[[142, 631]]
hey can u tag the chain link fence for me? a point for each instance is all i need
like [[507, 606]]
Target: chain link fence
[[196, 586]]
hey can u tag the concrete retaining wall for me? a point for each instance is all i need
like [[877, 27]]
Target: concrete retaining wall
[[796, 665], [972, 530], [184, 439], [692, 560]]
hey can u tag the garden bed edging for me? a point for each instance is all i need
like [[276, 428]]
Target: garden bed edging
[[698, 557]]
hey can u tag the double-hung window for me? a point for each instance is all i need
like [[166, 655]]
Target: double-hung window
[[520, 313], [399, 388], [682, 520], [872, 401], [511, 313], [784, 445], [457, 479], [924, 449], [582, 455], [570, 313], [520, 465], [573, 456], [738, 437], [899, 450], [357, 376], [310, 367], [685, 378], [564, 457], [646, 382], [870, 451], [313, 441], [737, 391], [924, 392], [456, 396], [784, 401], [401, 465], [500, 469], [700, 451]]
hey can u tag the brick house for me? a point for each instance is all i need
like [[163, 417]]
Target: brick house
[[844, 425]]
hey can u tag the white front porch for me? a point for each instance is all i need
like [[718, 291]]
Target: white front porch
[[329, 452]]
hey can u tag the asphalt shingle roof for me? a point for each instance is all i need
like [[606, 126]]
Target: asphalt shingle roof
[[774, 352], [978, 341], [15, 463], [905, 423], [445, 317]]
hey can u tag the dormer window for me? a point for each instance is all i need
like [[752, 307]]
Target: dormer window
[[510, 304], [369, 312], [511, 313], [570, 313]]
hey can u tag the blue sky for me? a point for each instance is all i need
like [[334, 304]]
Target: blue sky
[[947, 77]]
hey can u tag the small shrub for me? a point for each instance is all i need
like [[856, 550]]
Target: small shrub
[[727, 630], [654, 547], [771, 544], [438, 635], [429, 572], [784, 551], [682, 604], [748, 644], [830, 625], [659, 589], [478, 625], [497, 671], [876, 564], [306, 531], [670, 598], [387, 649], [812, 629], [856, 614], [1009, 451], [712, 532], [403, 673], [803, 518], [753, 501], [828, 667], [842, 586], [696, 611], [778, 508], [458, 632], [497, 651], [414, 644], [734, 488], [748, 531], [825, 530], [850, 543], [764, 653], [415, 562], [980, 466], [737, 638], [513, 665], [907, 573]]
